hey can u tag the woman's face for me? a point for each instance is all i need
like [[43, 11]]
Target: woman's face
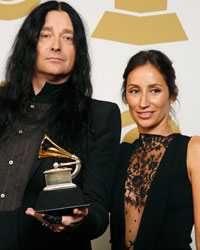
[[147, 95]]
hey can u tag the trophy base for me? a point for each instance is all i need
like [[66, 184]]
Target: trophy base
[[60, 202], [59, 186]]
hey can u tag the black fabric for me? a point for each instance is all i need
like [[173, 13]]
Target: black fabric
[[49, 92], [22, 232], [168, 215], [117, 223], [18, 154], [69, 198]]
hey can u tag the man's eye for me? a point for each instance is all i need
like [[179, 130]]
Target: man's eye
[[45, 36], [67, 38]]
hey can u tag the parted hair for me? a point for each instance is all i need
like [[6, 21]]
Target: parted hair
[[160, 61], [71, 112]]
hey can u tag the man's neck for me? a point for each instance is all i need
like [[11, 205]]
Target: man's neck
[[38, 82], [37, 85]]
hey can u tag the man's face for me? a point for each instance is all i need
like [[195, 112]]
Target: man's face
[[55, 48]]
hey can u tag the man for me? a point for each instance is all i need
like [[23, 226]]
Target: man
[[48, 91]]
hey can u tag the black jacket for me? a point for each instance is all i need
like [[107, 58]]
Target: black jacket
[[19, 231]]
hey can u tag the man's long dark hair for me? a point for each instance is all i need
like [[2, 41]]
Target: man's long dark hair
[[72, 116]]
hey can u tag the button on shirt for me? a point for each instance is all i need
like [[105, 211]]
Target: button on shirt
[[3, 196], [17, 154], [19, 150]]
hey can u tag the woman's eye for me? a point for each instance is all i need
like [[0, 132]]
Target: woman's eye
[[134, 91], [155, 90]]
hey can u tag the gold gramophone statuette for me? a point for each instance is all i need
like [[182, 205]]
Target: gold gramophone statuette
[[59, 177]]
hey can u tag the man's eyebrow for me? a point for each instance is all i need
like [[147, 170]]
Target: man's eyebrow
[[47, 28], [63, 31], [68, 31]]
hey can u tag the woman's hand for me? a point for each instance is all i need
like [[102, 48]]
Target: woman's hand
[[59, 223]]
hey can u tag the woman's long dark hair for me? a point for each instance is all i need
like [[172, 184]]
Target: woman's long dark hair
[[72, 108]]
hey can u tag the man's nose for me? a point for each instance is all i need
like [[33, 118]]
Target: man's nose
[[55, 46]]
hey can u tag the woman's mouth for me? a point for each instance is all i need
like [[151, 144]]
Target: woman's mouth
[[145, 115]]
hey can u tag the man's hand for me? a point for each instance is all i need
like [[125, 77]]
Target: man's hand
[[67, 221]]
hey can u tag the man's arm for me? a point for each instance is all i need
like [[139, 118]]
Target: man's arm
[[97, 177], [100, 169]]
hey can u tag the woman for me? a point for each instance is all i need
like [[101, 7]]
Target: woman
[[156, 194]]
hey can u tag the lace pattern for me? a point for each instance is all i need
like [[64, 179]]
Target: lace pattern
[[144, 162]]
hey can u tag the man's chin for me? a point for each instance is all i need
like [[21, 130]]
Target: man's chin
[[58, 77]]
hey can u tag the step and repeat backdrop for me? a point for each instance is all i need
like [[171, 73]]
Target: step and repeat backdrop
[[116, 30]]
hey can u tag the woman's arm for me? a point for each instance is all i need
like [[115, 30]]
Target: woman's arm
[[193, 163]]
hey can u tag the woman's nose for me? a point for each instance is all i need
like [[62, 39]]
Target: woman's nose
[[144, 100]]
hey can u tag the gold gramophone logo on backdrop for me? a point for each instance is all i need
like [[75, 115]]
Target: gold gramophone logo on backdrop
[[143, 29], [14, 9]]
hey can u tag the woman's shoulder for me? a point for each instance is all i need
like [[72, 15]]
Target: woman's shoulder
[[182, 136], [194, 143], [193, 156], [181, 140]]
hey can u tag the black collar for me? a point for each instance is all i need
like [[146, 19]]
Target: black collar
[[48, 93]]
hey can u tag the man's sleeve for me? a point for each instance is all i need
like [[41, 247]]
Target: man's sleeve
[[100, 169]]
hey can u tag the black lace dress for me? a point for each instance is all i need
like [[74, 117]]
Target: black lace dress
[[144, 162]]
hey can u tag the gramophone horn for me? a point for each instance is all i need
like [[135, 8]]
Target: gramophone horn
[[48, 148]]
